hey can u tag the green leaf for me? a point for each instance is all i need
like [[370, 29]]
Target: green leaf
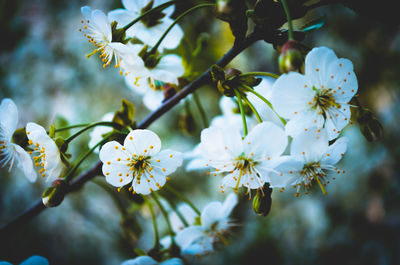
[[314, 24], [126, 114]]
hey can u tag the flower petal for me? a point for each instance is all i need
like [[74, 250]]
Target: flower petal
[[173, 261], [335, 152], [291, 94], [286, 171], [167, 161], [303, 122], [188, 235], [122, 16], [8, 116], [229, 204], [142, 260], [316, 65], [24, 162], [309, 146], [117, 175], [113, 152], [142, 142], [211, 215], [337, 119]]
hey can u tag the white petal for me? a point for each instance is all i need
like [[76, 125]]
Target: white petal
[[142, 142], [149, 182], [113, 152], [142, 260], [291, 94], [168, 69], [86, 12], [117, 175], [336, 120], [153, 99], [167, 161], [122, 16], [211, 215], [342, 80], [316, 65], [310, 145], [266, 139], [229, 204], [285, 172], [35, 260], [335, 152], [214, 147], [303, 122], [101, 21], [97, 134], [24, 162], [8, 116], [188, 235], [134, 5]]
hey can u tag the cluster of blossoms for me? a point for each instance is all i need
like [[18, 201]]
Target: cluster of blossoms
[[148, 70], [316, 108]]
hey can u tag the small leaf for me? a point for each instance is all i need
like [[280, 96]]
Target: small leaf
[[314, 24], [126, 114]]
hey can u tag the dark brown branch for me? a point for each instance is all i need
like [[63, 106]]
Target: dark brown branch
[[77, 184]]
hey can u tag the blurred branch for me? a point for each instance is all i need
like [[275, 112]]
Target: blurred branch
[[77, 184]]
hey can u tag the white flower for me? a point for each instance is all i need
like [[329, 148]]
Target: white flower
[[97, 134], [10, 152], [138, 161], [147, 33], [47, 154], [320, 97], [247, 162], [97, 28], [199, 239], [312, 160]]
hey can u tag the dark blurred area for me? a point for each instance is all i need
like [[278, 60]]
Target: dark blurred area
[[43, 68]]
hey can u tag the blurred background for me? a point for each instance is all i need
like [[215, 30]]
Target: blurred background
[[43, 68]]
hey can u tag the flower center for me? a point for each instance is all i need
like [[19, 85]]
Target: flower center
[[40, 158], [310, 172], [139, 164], [323, 100]]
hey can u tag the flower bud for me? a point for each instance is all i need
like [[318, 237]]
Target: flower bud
[[262, 201], [370, 127], [291, 58], [54, 195]]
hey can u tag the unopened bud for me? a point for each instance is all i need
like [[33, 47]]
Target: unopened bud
[[54, 195], [262, 201], [291, 58], [370, 127]]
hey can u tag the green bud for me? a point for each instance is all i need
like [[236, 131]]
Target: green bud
[[54, 195], [291, 58], [125, 116], [262, 201], [19, 137], [370, 127]]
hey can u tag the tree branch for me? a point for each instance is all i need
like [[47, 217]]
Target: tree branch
[[78, 183]]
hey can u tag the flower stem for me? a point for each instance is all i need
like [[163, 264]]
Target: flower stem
[[239, 98], [157, 8], [183, 198], [261, 74], [236, 188], [178, 213], [165, 214], [265, 101], [289, 19], [253, 109], [155, 227], [176, 21], [70, 173], [201, 109], [91, 125]]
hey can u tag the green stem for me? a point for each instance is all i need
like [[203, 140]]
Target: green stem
[[155, 227], [239, 98], [183, 198], [70, 173], [261, 74], [113, 195], [152, 51], [253, 109], [91, 125], [165, 214], [71, 127], [266, 102], [178, 213], [289, 19], [157, 8], [201, 109]]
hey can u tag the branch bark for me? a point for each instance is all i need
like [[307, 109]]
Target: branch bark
[[78, 183]]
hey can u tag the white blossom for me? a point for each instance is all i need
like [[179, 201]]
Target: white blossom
[[139, 161], [97, 28], [312, 161], [10, 152], [146, 260], [97, 134], [320, 98], [147, 33], [247, 162], [45, 151], [215, 222]]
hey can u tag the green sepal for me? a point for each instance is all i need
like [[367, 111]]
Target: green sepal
[[126, 115], [61, 144], [248, 80], [54, 195], [118, 35], [197, 220], [314, 24], [20, 138]]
